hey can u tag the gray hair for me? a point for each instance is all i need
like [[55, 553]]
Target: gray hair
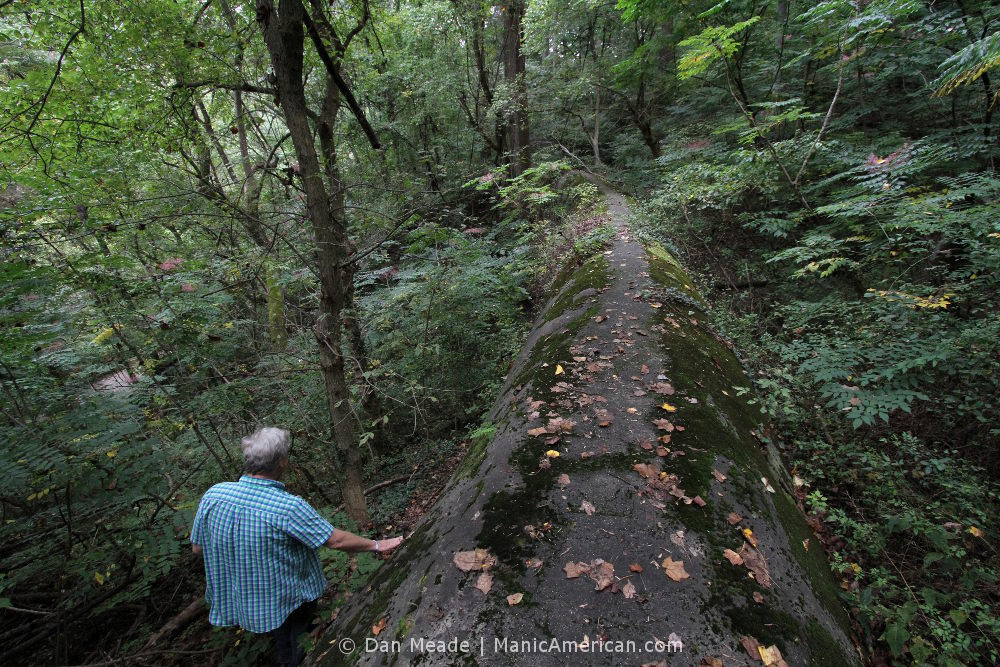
[[264, 450]]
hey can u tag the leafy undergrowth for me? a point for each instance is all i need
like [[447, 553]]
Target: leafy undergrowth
[[870, 328]]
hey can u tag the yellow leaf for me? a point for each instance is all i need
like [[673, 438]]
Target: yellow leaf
[[514, 599], [552, 454], [559, 369], [975, 531], [99, 578], [669, 408], [747, 533], [112, 453]]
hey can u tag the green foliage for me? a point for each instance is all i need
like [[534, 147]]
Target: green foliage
[[708, 47]]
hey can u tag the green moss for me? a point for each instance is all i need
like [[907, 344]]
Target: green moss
[[479, 441], [667, 271], [592, 274]]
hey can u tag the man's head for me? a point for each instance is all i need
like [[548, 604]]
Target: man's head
[[266, 452]]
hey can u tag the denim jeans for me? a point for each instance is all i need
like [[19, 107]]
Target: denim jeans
[[287, 635]]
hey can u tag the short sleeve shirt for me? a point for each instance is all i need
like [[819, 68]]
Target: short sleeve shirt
[[260, 548]]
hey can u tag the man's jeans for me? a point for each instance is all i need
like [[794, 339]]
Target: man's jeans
[[287, 635]]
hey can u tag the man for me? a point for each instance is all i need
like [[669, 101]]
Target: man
[[260, 547]]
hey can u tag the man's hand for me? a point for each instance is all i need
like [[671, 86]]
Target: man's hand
[[387, 545]]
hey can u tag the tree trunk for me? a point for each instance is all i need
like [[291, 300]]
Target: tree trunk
[[284, 35], [513, 67]]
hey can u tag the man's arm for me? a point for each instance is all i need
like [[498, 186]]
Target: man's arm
[[196, 548], [351, 543]]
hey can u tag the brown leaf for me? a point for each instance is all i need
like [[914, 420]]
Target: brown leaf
[[697, 500], [587, 507], [563, 480], [733, 557], [536, 432], [752, 647], [665, 438], [628, 590], [664, 388], [586, 455], [553, 440], [646, 444], [674, 569], [635, 567], [663, 425], [647, 471], [734, 518], [711, 662], [603, 573], [379, 627], [756, 564], [638, 392], [600, 318], [574, 570], [662, 451], [718, 475], [514, 599], [484, 582], [644, 369], [758, 598], [748, 534], [533, 563], [480, 559]]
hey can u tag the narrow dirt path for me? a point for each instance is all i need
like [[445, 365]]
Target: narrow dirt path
[[622, 501]]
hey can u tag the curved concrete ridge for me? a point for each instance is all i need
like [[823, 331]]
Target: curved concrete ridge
[[634, 484]]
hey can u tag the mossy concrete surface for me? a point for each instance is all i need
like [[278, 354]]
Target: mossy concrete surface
[[624, 335]]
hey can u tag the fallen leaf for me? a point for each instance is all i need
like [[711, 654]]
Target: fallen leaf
[[669, 408], [586, 455], [644, 369], [638, 392], [752, 647], [559, 369], [756, 564], [514, 599], [665, 439], [975, 531], [574, 570], [674, 569], [805, 544], [771, 656], [718, 475], [632, 411], [647, 471], [600, 318], [379, 627], [747, 533], [758, 598], [635, 567], [711, 662], [603, 573], [734, 518], [628, 590], [480, 559], [544, 464], [664, 388], [552, 454], [733, 557], [533, 563], [662, 451], [553, 440], [484, 582], [767, 487], [563, 480], [697, 500], [663, 425], [536, 432], [578, 359], [646, 444], [587, 507]]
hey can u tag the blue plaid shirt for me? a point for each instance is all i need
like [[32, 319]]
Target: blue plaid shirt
[[259, 545]]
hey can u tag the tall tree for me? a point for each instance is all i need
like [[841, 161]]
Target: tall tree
[[518, 138], [284, 29]]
